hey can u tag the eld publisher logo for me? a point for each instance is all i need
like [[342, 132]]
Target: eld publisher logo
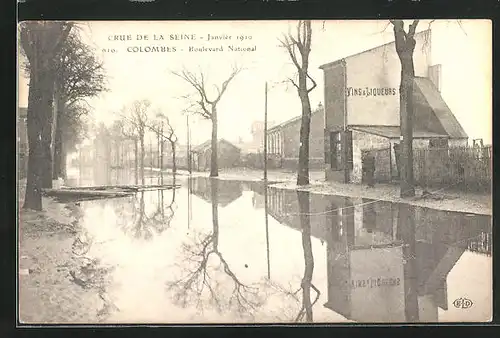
[[462, 303]]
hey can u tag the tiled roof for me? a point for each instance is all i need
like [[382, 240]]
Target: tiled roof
[[293, 120]]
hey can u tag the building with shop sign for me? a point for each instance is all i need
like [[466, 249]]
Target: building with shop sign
[[362, 111]]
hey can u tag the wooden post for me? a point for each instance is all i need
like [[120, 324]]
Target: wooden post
[[188, 144]]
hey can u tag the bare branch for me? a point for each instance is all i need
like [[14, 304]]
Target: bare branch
[[413, 27], [314, 83], [290, 48]]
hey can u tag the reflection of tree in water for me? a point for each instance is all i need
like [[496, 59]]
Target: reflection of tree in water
[[144, 226], [306, 284], [243, 298], [87, 272]]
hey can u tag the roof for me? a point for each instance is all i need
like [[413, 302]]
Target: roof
[[430, 94], [395, 132], [207, 144], [426, 94], [292, 120], [326, 65]]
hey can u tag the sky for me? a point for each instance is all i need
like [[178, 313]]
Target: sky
[[466, 48]]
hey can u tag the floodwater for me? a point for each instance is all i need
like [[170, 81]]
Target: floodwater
[[220, 251]]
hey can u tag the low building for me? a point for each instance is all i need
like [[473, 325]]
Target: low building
[[283, 140], [22, 142], [362, 111], [228, 155]]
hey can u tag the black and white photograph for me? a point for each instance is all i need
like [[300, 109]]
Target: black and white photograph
[[254, 172]]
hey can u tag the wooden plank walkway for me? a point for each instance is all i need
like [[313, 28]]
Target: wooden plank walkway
[[97, 192]]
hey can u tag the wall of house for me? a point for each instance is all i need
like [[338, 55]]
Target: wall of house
[[379, 69], [363, 141], [228, 155], [285, 141]]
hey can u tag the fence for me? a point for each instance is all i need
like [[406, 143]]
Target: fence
[[464, 168]]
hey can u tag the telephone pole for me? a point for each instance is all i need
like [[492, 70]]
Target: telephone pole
[[265, 134], [188, 144]]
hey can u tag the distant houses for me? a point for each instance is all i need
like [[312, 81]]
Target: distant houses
[[283, 141], [228, 155]]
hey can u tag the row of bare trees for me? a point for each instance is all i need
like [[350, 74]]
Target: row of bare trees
[[138, 119], [63, 72]]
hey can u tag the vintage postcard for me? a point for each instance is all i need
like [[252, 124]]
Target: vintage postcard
[[255, 172]]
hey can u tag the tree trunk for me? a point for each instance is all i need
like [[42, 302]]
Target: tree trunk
[[305, 222], [58, 145], [214, 170], [406, 106], [47, 135], [141, 136], [405, 45], [41, 90], [305, 127], [174, 165], [136, 159]]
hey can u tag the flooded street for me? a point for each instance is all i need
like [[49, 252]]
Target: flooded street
[[221, 251]]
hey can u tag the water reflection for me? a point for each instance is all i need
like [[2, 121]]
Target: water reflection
[[254, 253], [200, 272], [306, 285], [147, 224], [387, 262]]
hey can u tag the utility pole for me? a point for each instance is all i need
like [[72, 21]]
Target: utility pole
[[188, 144], [265, 135]]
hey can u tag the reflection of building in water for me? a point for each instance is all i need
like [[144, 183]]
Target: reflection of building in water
[[258, 190], [227, 192], [370, 241]]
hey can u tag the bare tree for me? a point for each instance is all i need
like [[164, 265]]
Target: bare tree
[[136, 125], [41, 42], [301, 42], [165, 131], [207, 107], [405, 45], [245, 298], [128, 130]]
